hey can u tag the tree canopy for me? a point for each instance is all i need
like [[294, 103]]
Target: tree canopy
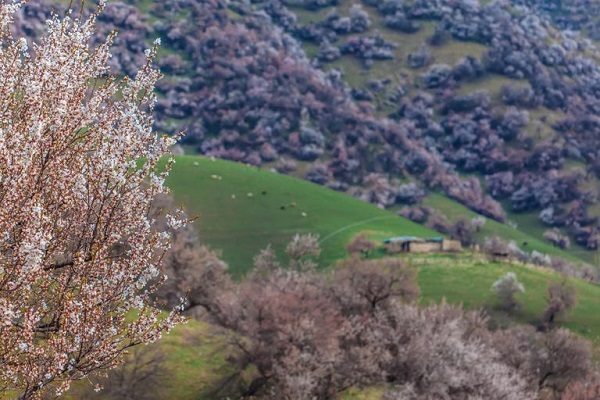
[[78, 253]]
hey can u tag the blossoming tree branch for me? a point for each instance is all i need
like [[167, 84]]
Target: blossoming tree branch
[[78, 172]]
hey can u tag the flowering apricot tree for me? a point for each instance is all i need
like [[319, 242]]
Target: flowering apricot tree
[[78, 172]]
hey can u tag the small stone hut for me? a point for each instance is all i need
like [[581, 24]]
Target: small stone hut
[[414, 244]]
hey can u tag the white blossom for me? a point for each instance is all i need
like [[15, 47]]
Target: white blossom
[[74, 201]]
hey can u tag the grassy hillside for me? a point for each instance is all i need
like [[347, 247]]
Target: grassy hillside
[[402, 82], [218, 191], [193, 361], [240, 225], [467, 279]]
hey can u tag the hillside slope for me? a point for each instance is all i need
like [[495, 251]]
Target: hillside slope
[[230, 220], [218, 191]]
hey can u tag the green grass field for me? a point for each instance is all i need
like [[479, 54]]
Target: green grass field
[[240, 225], [467, 279], [193, 362]]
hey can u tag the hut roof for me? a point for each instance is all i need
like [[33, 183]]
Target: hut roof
[[403, 239], [437, 239]]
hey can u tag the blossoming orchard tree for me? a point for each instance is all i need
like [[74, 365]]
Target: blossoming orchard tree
[[78, 255]]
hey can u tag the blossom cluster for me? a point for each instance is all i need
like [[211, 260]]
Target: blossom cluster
[[78, 173]]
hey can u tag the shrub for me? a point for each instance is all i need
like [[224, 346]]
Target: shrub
[[506, 288], [561, 299]]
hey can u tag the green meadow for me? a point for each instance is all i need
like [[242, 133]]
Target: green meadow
[[243, 209], [467, 279]]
